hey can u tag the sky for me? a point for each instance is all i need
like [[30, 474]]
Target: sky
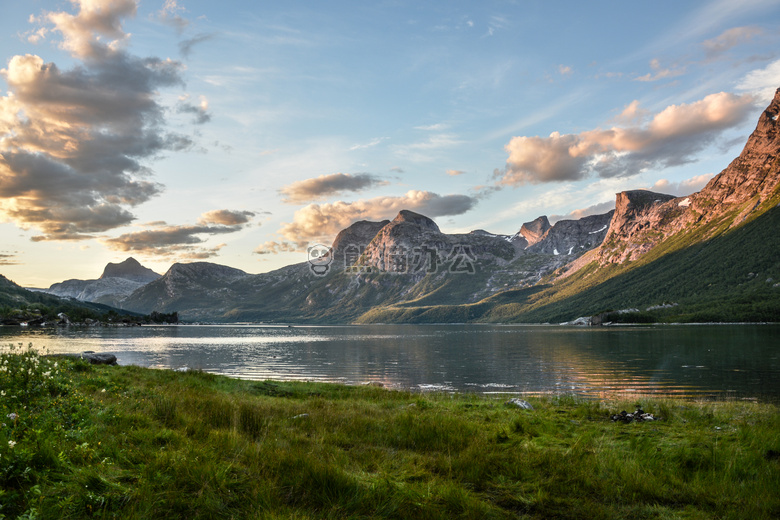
[[242, 132]]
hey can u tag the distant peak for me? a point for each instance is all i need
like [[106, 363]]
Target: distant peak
[[130, 269]]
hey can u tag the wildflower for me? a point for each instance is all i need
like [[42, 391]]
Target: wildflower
[[13, 416], [11, 444]]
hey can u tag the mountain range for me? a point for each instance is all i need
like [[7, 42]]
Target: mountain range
[[710, 256]]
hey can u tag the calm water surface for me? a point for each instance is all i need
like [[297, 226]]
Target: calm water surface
[[720, 361]]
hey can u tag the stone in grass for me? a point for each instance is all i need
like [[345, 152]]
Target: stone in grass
[[520, 403], [95, 358]]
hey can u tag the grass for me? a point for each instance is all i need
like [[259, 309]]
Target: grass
[[129, 442]]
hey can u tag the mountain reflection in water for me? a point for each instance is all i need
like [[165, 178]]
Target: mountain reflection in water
[[720, 361]]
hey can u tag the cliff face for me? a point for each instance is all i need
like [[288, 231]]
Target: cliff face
[[748, 186], [535, 230], [755, 171]]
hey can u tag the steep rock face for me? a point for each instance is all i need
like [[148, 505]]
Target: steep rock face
[[352, 241], [755, 171], [534, 231], [573, 237], [116, 283], [747, 186], [633, 230]]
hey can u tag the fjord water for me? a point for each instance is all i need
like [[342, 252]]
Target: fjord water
[[691, 361]]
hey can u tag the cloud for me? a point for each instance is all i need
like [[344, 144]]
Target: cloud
[[369, 144], [226, 217], [631, 114], [762, 83], [272, 248], [200, 111], [595, 209], [325, 185], [436, 127], [161, 239], [682, 188], [321, 222], [422, 151], [73, 142], [672, 137], [565, 70], [455, 173], [660, 72], [728, 39], [185, 46], [169, 15], [85, 33], [8, 259]]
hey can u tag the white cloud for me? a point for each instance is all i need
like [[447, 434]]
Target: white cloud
[[762, 82]]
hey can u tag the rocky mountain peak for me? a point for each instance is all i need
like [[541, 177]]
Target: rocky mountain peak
[[130, 269], [415, 218], [534, 231]]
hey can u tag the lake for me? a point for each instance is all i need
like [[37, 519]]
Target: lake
[[690, 361]]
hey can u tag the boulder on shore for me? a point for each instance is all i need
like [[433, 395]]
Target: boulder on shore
[[95, 358]]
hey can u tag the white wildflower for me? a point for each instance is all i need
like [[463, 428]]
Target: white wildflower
[[11, 444]]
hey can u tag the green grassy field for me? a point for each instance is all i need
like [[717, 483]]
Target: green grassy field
[[82, 441]]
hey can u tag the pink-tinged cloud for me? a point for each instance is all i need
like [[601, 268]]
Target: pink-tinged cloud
[[682, 188], [729, 39], [671, 137], [226, 217]]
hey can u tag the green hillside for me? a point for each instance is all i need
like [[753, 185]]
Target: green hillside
[[19, 304]]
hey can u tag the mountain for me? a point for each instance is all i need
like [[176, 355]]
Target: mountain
[[407, 261], [710, 256], [199, 285], [116, 283]]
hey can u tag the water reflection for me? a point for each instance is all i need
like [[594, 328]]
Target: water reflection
[[687, 361]]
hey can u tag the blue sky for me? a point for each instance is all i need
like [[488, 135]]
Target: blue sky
[[241, 132]]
